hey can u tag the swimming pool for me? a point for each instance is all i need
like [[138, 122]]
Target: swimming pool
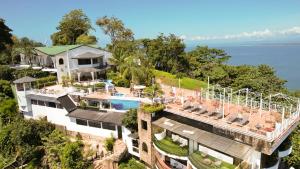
[[124, 104]]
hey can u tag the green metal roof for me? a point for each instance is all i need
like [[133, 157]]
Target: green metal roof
[[54, 50]]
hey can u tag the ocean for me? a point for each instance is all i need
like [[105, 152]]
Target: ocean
[[285, 59]]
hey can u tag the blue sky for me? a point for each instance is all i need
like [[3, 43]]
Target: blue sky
[[196, 21]]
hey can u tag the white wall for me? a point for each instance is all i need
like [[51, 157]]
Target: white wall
[[72, 126], [128, 141], [54, 115]]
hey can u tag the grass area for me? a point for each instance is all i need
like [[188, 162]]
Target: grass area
[[185, 82], [171, 147], [197, 160], [132, 164]]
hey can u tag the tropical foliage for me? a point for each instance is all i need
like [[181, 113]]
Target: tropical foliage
[[73, 25], [130, 120]]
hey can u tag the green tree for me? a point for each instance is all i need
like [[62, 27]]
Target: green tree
[[72, 25], [8, 112], [109, 143], [86, 39], [53, 144], [5, 35], [6, 73], [204, 62], [71, 156], [166, 53], [293, 160], [115, 29], [130, 120], [5, 90]]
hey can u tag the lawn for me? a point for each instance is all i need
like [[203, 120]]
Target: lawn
[[197, 160], [167, 145], [186, 82]]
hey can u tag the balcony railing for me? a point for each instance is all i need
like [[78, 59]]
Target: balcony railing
[[170, 147], [204, 161]]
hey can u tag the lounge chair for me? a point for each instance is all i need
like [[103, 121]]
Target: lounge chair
[[211, 113], [243, 121], [219, 115], [232, 118], [195, 108], [186, 106], [202, 111]]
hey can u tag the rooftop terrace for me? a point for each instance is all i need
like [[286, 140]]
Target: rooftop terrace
[[242, 111]]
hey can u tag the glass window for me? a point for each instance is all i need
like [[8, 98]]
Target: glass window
[[33, 101], [41, 103], [144, 125], [27, 86], [95, 124], [81, 122], [20, 87], [108, 126], [51, 104], [84, 61], [135, 143]]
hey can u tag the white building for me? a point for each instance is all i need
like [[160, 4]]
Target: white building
[[81, 62]]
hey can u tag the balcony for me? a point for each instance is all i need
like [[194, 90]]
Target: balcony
[[170, 148], [203, 161]]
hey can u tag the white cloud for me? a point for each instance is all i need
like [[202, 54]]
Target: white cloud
[[254, 34]]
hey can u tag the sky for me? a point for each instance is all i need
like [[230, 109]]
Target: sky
[[195, 21]]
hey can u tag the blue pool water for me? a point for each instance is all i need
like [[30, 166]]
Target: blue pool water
[[124, 104]]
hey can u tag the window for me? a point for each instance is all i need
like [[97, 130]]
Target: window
[[41, 103], [20, 87], [95, 60], [95, 124], [51, 104], [144, 125], [134, 149], [135, 143], [108, 126], [81, 122], [61, 61], [84, 61], [34, 102], [144, 147]]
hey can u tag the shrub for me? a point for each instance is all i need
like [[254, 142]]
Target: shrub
[[132, 164], [109, 143], [130, 120], [100, 85], [30, 72], [152, 108], [45, 81]]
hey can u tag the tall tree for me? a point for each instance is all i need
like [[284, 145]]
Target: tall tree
[[5, 35], [72, 25], [115, 29], [166, 53]]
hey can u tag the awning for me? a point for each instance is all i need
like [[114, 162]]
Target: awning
[[87, 55], [42, 98], [110, 117], [25, 79], [210, 140]]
